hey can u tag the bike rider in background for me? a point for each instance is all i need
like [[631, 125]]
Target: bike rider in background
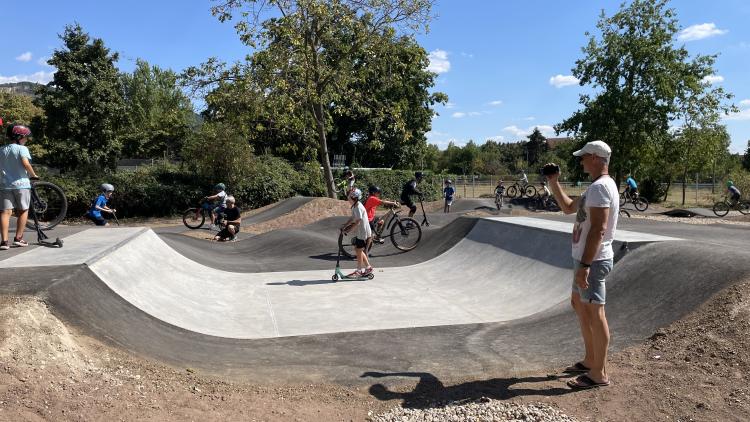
[[100, 205], [499, 192], [733, 192], [524, 179], [631, 186], [410, 189], [221, 198]]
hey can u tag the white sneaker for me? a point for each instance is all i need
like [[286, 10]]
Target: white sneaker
[[20, 243], [4, 246]]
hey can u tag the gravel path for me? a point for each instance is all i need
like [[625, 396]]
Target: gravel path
[[483, 409]]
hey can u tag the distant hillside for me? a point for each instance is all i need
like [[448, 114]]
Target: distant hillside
[[22, 88]]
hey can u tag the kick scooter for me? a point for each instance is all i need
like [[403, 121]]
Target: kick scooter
[[339, 275]]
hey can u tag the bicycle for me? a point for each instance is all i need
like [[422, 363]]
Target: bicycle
[[544, 203], [49, 205], [721, 208], [498, 201], [194, 218], [405, 233], [640, 203], [623, 213], [520, 189]]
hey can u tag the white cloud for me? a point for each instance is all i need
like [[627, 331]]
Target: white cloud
[[496, 138], [42, 61], [546, 130], [458, 115], [25, 57], [740, 115], [700, 31], [745, 103], [559, 81], [529, 119], [712, 79], [41, 77], [439, 62], [496, 102]]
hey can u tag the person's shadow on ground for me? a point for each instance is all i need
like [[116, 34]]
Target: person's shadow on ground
[[430, 391]]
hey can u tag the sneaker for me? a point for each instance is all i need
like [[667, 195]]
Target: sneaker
[[379, 240], [4, 246], [368, 270], [20, 243], [355, 274]]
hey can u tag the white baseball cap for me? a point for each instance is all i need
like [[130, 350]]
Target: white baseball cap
[[598, 148]]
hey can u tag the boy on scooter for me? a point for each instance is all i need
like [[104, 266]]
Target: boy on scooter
[[360, 226]]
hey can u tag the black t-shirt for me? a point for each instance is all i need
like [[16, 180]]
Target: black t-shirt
[[232, 214], [410, 188]]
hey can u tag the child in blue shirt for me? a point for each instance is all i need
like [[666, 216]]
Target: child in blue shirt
[[100, 205], [448, 192]]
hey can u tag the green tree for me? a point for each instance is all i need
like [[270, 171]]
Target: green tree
[[640, 79], [20, 109], [219, 152], [746, 157], [83, 103], [307, 47], [536, 146], [159, 116]]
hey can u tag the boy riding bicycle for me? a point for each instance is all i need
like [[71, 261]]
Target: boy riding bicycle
[[410, 189], [220, 197], [372, 202], [733, 192], [631, 186]]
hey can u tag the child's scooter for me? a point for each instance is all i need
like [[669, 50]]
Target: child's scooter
[[339, 275]]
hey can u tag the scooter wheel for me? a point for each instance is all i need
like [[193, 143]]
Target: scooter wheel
[[59, 242], [335, 277], [370, 276]]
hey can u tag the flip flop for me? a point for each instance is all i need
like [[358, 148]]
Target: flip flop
[[584, 382], [578, 367]]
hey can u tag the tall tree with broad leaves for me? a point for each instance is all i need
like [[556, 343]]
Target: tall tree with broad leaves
[[158, 115], [83, 103], [639, 79], [306, 48]]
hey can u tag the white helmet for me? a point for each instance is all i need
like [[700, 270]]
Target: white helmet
[[355, 194], [106, 187]]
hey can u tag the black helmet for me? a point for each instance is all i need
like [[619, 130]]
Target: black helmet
[[373, 189], [418, 175], [17, 132]]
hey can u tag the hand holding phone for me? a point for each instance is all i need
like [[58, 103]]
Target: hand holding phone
[[550, 169]]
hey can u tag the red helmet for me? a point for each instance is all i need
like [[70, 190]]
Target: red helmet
[[18, 132]]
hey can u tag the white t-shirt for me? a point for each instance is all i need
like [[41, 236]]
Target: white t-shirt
[[363, 228], [602, 193], [222, 198]]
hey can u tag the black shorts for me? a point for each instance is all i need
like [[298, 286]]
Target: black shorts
[[736, 197], [225, 234], [359, 243], [406, 200]]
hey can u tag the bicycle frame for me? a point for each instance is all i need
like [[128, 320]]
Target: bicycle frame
[[41, 236]]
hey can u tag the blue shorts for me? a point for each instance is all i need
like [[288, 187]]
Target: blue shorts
[[597, 291]]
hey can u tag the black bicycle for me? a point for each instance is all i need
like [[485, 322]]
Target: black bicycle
[[723, 207], [640, 203], [194, 218], [521, 189], [48, 205], [543, 203], [404, 232]]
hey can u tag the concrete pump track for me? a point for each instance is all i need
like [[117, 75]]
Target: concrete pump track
[[478, 296]]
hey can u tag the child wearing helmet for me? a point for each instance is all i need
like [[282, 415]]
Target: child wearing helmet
[[448, 192], [733, 192], [220, 198], [410, 189], [372, 202], [100, 205], [499, 192], [359, 225], [15, 185]]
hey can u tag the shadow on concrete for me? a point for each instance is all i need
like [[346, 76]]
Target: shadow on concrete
[[430, 391]]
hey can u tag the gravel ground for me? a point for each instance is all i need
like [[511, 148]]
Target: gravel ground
[[484, 409]]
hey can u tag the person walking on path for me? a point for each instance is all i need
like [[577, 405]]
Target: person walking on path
[[15, 185], [594, 229]]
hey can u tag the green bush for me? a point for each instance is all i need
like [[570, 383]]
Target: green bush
[[652, 190], [270, 179]]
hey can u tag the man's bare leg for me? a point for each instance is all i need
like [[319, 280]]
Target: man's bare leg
[[600, 341], [22, 217], [5, 223], [585, 322]]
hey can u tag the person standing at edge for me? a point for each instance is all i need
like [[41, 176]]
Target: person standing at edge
[[596, 219]]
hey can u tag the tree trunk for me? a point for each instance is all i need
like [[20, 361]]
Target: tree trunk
[[666, 191], [323, 144]]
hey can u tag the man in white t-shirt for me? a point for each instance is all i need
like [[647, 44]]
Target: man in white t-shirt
[[596, 218]]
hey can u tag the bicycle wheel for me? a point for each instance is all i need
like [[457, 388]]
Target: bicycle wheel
[[512, 191], [552, 205], [744, 207], [623, 199], [345, 246], [49, 204], [624, 212], [529, 191], [193, 219], [406, 234], [641, 204], [721, 208], [337, 185]]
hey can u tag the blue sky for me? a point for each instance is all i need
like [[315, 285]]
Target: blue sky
[[506, 65]]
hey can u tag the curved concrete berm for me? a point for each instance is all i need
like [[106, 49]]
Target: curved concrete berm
[[496, 302]]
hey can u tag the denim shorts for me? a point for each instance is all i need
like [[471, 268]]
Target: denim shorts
[[597, 290]]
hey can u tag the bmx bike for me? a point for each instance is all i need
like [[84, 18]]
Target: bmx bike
[[722, 208], [640, 203], [404, 232]]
